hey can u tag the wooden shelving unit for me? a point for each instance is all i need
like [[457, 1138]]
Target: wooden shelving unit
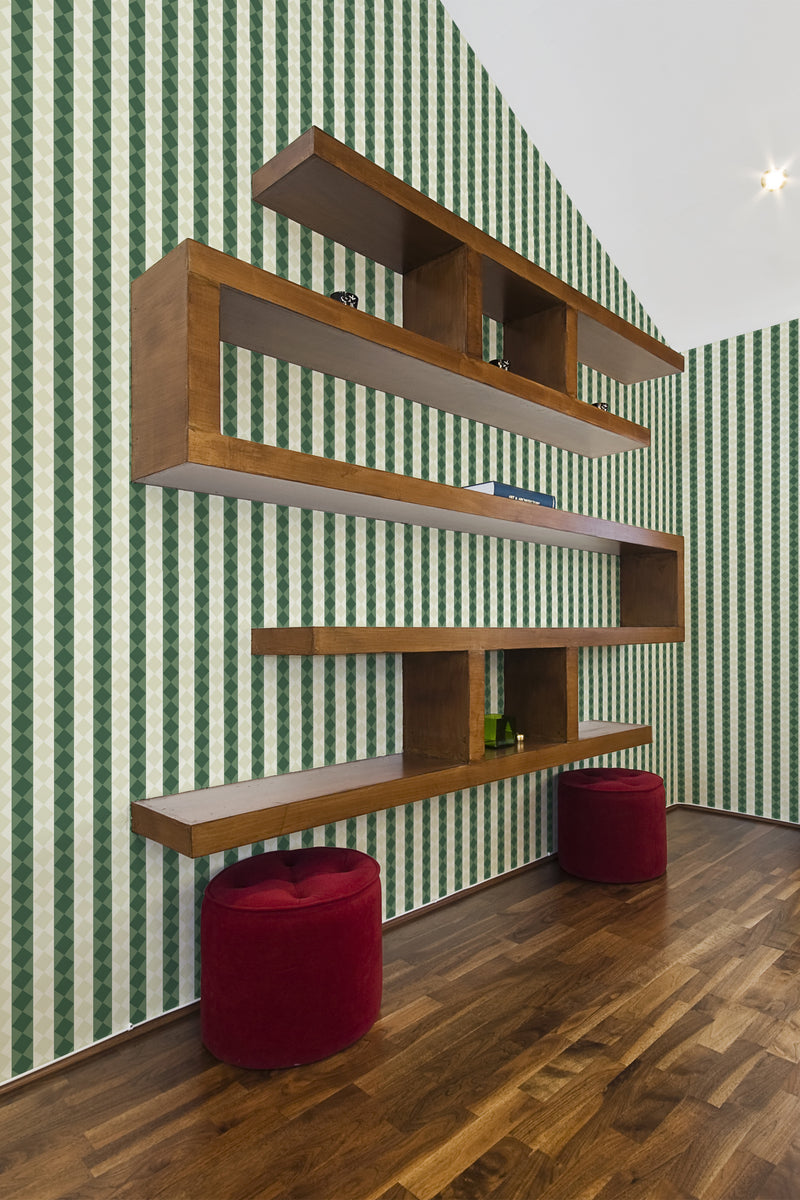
[[328, 187], [194, 299], [236, 814], [443, 708]]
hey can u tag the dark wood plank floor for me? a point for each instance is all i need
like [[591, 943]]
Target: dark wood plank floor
[[546, 1037]]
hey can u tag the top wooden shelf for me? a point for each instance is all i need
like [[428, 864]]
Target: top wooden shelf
[[196, 297], [330, 188]]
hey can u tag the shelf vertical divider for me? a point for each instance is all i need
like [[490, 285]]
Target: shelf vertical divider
[[442, 299], [541, 692], [443, 704]]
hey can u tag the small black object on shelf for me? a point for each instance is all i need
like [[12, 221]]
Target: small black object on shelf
[[502, 363], [601, 404], [348, 298]]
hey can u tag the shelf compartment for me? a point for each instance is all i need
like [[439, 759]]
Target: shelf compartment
[[195, 297], [330, 188], [443, 673], [540, 689], [313, 331], [442, 301], [236, 814]]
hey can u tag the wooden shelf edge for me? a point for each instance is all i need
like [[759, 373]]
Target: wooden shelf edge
[[328, 639], [228, 466], [214, 819], [315, 155]]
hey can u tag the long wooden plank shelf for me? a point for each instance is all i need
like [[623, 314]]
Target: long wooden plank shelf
[[228, 466], [330, 188], [219, 818], [196, 297], [331, 639]]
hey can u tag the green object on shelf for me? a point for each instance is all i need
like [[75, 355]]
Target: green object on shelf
[[499, 730]]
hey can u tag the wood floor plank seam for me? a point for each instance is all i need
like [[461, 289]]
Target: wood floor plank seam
[[547, 1037]]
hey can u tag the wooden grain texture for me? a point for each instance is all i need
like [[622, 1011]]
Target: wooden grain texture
[[541, 692], [274, 316], [235, 814], [159, 366], [366, 209], [329, 187], [175, 360], [651, 587], [443, 704], [542, 346], [442, 300], [203, 351], [544, 1038], [397, 639], [309, 481], [570, 335], [509, 295]]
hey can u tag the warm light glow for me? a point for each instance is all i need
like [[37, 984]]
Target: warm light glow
[[774, 179]]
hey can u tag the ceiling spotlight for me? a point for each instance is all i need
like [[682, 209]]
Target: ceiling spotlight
[[774, 179]]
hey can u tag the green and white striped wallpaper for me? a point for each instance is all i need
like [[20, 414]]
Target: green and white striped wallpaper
[[740, 411], [126, 610]]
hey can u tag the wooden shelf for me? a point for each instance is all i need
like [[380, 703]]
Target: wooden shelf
[[236, 814], [182, 305], [225, 466], [195, 297], [301, 327], [368, 639], [330, 188]]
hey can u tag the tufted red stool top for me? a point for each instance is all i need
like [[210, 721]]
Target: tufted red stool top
[[613, 779], [612, 824], [293, 878], [291, 956]]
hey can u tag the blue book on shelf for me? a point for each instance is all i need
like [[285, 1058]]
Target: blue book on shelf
[[493, 488]]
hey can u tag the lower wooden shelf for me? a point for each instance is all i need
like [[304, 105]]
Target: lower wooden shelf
[[236, 814], [384, 639]]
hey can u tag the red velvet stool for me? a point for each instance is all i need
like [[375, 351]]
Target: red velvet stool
[[291, 956], [612, 824]]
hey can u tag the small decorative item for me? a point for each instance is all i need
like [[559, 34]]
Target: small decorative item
[[348, 298], [502, 363], [601, 404], [498, 730], [520, 741]]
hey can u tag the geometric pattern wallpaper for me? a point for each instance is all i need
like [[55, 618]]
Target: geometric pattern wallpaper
[[740, 410], [126, 610]]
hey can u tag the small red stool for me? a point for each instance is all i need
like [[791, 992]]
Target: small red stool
[[612, 824], [291, 956]]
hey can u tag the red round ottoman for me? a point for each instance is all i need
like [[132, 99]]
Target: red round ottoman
[[612, 824], [291, 956]]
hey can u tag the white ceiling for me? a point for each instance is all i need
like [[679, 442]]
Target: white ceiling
[[658, 120]]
